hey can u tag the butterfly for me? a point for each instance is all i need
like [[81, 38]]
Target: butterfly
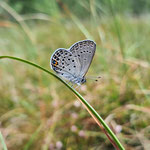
[[72, 64]]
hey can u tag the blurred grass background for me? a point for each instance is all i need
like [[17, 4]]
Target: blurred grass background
[[37, 112]]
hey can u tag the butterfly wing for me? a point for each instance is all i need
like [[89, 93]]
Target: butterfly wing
[[83, 51], [64, 64]]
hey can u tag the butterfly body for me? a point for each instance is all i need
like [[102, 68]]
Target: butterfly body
[[73, 63]]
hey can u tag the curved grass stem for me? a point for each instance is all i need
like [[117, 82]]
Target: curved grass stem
[[2, 142], [111, 136]]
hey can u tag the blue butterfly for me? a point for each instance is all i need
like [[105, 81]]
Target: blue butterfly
[[72, 64]]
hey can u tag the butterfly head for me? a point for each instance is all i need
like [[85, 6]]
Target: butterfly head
[[83, 80], [79, 81]]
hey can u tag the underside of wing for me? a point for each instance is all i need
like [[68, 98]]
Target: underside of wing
[[83, 51], [64, 63]]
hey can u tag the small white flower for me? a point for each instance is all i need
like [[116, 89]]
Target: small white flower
[[74, 115], [118, 128], [81, 133], [77, 104], [59, 145], [73, 128]]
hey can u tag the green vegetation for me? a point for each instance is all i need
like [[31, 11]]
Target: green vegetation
[[37, 111]]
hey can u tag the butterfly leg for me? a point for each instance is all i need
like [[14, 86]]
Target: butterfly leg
[[70, 83], [78, 85]]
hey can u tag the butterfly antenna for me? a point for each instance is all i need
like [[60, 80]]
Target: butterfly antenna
[[97, 78], [94, 78]]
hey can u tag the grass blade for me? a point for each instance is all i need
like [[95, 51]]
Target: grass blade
[[118, 30], [90, 109], [2, 142], [19, 19]]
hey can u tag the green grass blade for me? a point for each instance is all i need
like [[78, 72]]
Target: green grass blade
[[90, 109], [19, 19], [118, 30], [33, 137], [2, 142], [81, 27]]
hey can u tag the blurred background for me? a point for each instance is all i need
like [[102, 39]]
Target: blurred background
[[37, 112]]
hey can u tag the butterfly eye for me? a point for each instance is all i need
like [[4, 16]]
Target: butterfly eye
[[83, 80]]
